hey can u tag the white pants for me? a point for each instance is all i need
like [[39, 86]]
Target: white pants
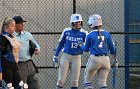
[[99, 65], [75, 63]]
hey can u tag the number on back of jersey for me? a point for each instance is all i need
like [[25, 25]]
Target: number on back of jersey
[[101, 43]]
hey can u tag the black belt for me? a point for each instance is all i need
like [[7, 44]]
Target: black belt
[[24, 61], [100, 55]]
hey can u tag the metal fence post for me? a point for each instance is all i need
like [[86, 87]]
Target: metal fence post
[[74, 6], [126, 15]]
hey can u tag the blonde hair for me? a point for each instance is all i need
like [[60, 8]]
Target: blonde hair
[[99, 32], [5, 23]]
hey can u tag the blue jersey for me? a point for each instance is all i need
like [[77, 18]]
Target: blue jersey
[[94, 44], [70, 40]]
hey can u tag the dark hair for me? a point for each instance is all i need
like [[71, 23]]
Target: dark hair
[[72, 24], [5, 23]]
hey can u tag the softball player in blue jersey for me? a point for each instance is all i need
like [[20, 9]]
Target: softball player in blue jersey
[[70, 41], [99, 43]]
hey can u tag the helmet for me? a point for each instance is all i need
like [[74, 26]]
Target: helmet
[[75, 18], [94, 20]]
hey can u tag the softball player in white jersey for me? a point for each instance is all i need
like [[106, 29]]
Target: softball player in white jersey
[[99, 43], [70, 41]]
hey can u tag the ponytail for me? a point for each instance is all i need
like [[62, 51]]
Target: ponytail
[[100, 35], [99, 32]]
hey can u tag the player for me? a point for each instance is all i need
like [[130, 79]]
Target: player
[[99, 43], [70, 40]]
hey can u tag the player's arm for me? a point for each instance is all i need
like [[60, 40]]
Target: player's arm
[[86, 46], [55, 57], [113, 50], [58, 49], [60, 44], [111, 44], [86, 33]]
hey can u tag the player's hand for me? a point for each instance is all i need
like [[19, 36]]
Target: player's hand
[[81, 44], [115, 63], [55, 62], [37, 51]]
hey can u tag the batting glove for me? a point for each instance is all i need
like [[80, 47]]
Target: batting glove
[[115, 63], [55, 61]]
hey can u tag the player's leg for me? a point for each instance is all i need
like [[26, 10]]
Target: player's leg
[[63, 70], [103, 72], [75, 71], [91, 69]]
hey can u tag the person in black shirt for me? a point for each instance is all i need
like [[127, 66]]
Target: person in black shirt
[[9, 51]]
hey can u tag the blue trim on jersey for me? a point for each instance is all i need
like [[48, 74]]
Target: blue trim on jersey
[[70, 40], [92, 43]]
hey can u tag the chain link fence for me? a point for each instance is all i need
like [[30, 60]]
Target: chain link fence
[[46, 19]]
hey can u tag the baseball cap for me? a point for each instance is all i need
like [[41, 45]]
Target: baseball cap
[[18, 19]]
